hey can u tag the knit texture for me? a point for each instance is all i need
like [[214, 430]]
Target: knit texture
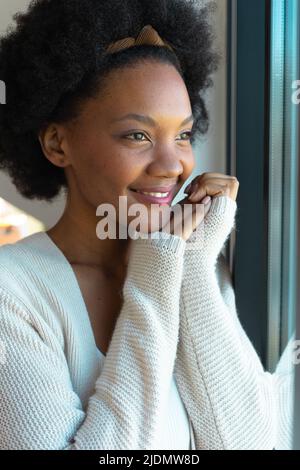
[[178, 320], [234, 403]]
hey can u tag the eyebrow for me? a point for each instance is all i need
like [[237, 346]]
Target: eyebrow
[[148, 120]]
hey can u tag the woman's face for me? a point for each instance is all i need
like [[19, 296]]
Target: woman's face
[[109, 156]]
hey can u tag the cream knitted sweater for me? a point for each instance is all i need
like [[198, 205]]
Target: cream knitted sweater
[[178, 319]]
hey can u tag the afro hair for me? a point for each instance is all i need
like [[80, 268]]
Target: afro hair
[[54, 57]]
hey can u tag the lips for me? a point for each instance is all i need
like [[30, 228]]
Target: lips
[[165, 196], [145, 198], [157, 189]]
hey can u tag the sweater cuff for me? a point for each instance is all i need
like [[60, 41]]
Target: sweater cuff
[[163, 241], [222, 204], [213, 231], [155, 268]]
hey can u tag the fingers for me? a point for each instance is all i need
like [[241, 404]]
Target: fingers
[[211, 189], [205, 176], [213, 184], [198, 216], [192, 216]]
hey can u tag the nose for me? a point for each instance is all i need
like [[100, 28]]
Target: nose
[[167, 165]]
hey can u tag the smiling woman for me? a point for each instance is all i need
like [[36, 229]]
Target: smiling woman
[[118, 343]]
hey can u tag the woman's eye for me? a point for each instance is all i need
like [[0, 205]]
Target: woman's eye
[[135, 133], [189, 134], [141, 134]]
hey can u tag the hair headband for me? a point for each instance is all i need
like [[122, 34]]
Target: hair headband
[[148, 35]]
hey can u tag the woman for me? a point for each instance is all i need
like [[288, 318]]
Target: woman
[[121, 343]]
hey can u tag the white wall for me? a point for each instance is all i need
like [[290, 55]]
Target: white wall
[[210, 154], [8, 8]]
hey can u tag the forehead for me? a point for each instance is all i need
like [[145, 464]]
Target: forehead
[[150, 88]]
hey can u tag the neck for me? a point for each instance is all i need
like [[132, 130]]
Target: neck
[[75, 235]]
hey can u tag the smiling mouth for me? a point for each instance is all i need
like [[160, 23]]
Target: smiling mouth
[[154, 197], [153, 194]]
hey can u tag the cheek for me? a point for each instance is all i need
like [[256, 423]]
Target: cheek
[[104, 177], [94, 170], [118, 170]]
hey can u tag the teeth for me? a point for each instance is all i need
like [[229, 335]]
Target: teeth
[[154, 194]]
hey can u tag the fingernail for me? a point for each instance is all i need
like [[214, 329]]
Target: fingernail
[[206, 200]]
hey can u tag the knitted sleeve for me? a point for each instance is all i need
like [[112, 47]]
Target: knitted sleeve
[[40, 410], [233, 402]]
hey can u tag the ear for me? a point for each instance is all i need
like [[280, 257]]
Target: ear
[[52, 140]]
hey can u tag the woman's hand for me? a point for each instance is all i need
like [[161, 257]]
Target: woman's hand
[[202, 190], [214, 185]]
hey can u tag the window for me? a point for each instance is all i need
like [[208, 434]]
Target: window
[[263, 151]]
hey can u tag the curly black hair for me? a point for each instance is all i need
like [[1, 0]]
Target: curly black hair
[[54, 58]]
